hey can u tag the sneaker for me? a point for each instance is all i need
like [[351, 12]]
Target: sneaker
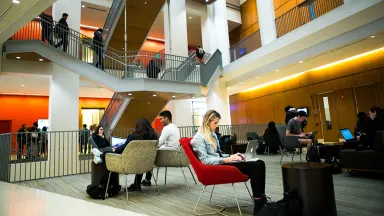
[[259, 204], [145, 182], [97, 160], [134, 187]]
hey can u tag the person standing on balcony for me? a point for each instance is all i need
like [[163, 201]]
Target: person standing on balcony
[[21, 140], [62, 31], [200, 52], [99, 48], [46, 21]]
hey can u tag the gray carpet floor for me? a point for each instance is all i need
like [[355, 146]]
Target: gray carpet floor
[[356, 195]]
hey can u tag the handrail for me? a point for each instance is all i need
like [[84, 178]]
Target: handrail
[[207, 70]]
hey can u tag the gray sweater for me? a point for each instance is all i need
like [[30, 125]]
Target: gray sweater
[[204, 150]]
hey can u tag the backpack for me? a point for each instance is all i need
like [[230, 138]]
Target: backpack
[[261, 148], [290, 205], [313, 155], [201, 51], [98, 191]]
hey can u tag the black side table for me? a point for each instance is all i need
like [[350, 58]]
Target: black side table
[[314, 184]]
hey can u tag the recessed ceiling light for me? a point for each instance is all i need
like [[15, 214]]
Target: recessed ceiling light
[[22, 85], [193, 97], [241, 83], [145, 2], [18, 57], [41, 60], [372, 36], [173, 96], [154, 95], [16, 1], [129, 94], [277, 70], [301, 62], [83, 6], [206, 0], [257, 77], [190, 17], [101, 89], [123, 48]]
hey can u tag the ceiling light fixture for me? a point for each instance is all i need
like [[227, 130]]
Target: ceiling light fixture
[[206, 0], [190, 17], [83, 6], [129, 94], [156, 39], [193, 97], [241, 83], [301, 62], [372, 36], [101, 89], [154, 95], [277, 70], [41, 60], [18, 57], [257, 77], [145, 2], [22, 85], [173, 96], [16, 1]]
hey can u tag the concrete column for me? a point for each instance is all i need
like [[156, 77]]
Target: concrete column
[[266, 14], [72, 8], [214, 30], [63, 116], [218, 100], [175, 28]]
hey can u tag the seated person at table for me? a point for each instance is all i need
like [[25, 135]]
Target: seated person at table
[[294, 128], [376, 123], [205, 145], [143, 131], [362, 124], [169, 139], [102, 144]]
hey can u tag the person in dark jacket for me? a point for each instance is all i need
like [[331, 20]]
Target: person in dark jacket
[[271, 137], [152, 70], [200, 52], [362, 124], [21, 140], [290, 113], [46, 21], [99, 48], [84, 137], [143, 131], [62, 31], [375, 124]]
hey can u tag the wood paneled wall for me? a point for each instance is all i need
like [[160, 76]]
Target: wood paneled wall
[[266, 104]]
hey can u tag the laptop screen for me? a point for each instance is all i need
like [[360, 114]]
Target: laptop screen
[[347, 134]]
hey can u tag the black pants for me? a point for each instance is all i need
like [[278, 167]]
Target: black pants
[[138, 177], [63, 42], [20, 149], [256, 172], [100, 59]]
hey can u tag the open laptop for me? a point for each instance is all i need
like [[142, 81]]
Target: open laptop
[[347, 134], [250, 153], [311, 136]]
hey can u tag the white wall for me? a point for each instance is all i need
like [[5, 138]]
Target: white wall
[[181, 112]]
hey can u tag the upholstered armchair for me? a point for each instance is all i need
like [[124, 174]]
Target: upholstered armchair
[[137, 158], [172, 158]]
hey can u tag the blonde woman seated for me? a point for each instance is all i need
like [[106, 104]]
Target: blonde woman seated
[[205, 144]]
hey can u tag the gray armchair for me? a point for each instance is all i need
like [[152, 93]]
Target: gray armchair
[[172, 158], [137, 158], [287, 142]]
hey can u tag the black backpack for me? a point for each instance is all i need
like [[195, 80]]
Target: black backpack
[[313, 155], [290, 205], [261, 149], [98, 191]]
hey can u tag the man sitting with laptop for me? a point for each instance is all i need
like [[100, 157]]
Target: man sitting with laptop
[[294, 128]]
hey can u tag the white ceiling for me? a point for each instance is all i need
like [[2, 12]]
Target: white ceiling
[[93, 14], [39, 85]]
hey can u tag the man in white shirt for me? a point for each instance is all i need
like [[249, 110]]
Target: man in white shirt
[[170, 136], [169, 139]]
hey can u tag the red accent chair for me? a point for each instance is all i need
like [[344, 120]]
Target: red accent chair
[[213, 175]]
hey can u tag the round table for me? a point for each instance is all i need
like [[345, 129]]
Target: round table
[[314, 184], [99, 175]]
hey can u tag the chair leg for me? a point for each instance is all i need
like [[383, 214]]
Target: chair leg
[[165, 177], [185, 179], [157, 173], [300, 157], [293, 154], [126, 187], [237, 202], [282, 155], [106, 189], [156, 187], [201, 194], [248, 191], [192, 174]]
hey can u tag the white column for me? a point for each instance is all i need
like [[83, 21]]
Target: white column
[[215, 30], [266, 14], [63, 100], [218, 100], [175, 28], [72, 8]]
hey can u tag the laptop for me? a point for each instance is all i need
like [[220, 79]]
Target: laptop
[[347, 134], [313, 135], [250, 152]]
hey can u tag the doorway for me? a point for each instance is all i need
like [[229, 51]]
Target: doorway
[[5, 126], [91, 116], [328, 117]]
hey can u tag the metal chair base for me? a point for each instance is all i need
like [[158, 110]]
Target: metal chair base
[[222, 208], [185, 178], [283, 152]]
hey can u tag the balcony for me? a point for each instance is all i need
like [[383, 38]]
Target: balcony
[[285, 23]]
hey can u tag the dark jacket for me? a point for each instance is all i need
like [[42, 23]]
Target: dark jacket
[[289, 115], [98, 40], [84, 136], [198, 54], [152, 69], [46, 20], [21, 136], [100, 142], [62, 27], [130, 138], [272, 140]]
